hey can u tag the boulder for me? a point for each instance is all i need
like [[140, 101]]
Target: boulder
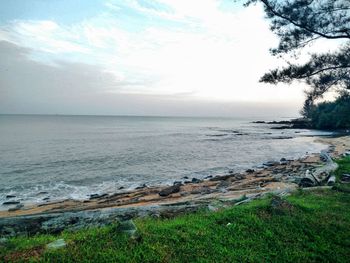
[[249, 171], [170, 190]]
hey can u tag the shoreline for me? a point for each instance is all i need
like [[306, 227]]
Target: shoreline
[[42, 196], [276, 176]]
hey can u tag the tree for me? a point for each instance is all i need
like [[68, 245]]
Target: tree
[[300, 23]]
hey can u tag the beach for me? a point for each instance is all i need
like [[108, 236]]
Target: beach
[[212, 193]]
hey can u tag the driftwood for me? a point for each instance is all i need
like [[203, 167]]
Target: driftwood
[[320, 174]]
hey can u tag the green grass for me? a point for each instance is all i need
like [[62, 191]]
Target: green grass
[[309, 227]]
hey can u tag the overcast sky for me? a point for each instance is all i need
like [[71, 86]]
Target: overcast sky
[[139, 57]]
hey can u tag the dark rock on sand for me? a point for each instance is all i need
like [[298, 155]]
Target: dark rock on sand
[[177, 183], [249, 171], [11, 202], [170, 190], [196, 181]]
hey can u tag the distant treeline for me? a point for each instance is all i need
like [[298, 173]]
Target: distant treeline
[[332, 115]]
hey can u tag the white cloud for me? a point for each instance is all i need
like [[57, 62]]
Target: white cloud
[[212, 55]]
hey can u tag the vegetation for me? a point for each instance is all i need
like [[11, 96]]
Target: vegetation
[[300, 24], [323, 115], [306, 227]]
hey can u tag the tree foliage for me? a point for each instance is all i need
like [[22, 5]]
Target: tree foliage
[[300, 23], [323, 115]]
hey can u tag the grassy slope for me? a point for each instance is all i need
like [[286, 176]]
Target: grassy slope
[[315, 228]]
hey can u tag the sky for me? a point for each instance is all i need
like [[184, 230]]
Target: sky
[[139, 57]]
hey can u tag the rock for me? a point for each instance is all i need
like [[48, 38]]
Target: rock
[[185, 177], [11, 202], [279, 205], [43, 193], [57, 244], [220, 177], [270, 163], [230, 172], [283, 162], [280, 127], [259, 122], [95, 196], [121, 188], [46, 198], [196, 181], [128, 227], [10, 196], [141, 186], [345, 178], [249, 171], [208, 177], [170, 190], [17, 207], [177, 183]]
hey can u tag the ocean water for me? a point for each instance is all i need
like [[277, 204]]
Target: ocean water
[[60, 157]]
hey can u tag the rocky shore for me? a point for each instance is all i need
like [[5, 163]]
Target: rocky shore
[[184, 196]]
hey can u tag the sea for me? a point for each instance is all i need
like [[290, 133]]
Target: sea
[[46, 158]]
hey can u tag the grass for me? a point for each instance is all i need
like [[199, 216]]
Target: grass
[[306, 227]]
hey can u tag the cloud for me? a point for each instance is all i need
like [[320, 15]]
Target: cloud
[[204, 50], [28, 86]]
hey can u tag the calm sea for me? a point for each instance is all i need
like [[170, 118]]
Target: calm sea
[[57, 157]]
